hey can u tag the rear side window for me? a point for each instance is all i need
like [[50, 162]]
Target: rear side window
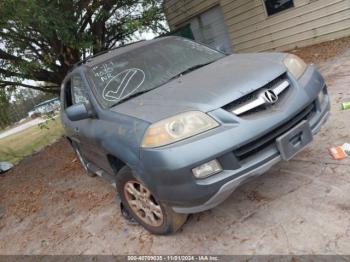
[[67, 95], [78, 90]]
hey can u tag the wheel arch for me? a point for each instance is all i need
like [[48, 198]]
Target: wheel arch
[[69, 140], [116, 163]]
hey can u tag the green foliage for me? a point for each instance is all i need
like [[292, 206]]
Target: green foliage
[[13, 148], [42, 39], [25, 100], [45, 125], [4, 109]]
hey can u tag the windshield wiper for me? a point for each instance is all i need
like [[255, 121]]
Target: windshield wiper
[[190, 69], [130, 96]]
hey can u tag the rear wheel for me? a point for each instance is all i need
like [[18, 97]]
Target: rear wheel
[[141, 204]]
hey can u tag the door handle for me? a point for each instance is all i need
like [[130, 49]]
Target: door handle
[[76, 130]]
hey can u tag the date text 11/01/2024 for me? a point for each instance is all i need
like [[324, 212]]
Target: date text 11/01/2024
[[173, 258]]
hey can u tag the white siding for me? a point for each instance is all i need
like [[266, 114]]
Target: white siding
[[309, 22]]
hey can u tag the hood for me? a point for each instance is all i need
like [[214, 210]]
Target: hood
[[207, 88]]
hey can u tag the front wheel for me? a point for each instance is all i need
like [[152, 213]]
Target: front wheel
[[141, 204]]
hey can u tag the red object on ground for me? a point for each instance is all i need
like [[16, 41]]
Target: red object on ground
[[337, 153]]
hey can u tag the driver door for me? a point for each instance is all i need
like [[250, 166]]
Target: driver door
[[81, 131]]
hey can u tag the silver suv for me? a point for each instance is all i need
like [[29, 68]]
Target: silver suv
[[178, 126]]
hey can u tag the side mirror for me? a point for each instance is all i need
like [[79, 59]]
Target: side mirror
[[78, 112]]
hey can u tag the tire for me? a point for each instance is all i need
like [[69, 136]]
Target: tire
[[82, 160], [165, 221]]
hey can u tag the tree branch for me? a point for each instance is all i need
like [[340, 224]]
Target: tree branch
[[45, 38], [90, 10], [8, 73], [39, 74], [50, 89]]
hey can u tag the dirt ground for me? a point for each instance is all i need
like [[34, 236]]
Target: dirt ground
[[48, 205]]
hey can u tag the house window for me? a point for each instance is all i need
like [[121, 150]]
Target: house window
[[276, 6]]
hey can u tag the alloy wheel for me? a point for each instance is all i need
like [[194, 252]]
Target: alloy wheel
[[143, 204]]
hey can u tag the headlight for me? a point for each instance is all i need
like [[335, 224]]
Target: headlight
[[296, 66], [176, 128]]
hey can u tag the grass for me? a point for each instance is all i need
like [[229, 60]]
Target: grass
[[17, 146]]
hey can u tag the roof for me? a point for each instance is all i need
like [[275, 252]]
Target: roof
[[106, 55]]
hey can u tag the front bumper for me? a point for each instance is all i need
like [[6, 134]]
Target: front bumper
[[167, 170], [227, 189]]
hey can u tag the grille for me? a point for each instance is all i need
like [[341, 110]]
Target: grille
[[269, 139], [255, 94]]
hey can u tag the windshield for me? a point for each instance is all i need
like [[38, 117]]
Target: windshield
[[148, 67]]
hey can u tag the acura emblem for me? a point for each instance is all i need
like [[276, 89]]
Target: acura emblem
[[270, 96]]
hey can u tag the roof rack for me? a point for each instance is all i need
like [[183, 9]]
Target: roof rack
[[101, 53]]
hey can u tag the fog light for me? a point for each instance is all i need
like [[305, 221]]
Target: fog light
[[207, 169], [321, 97]]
